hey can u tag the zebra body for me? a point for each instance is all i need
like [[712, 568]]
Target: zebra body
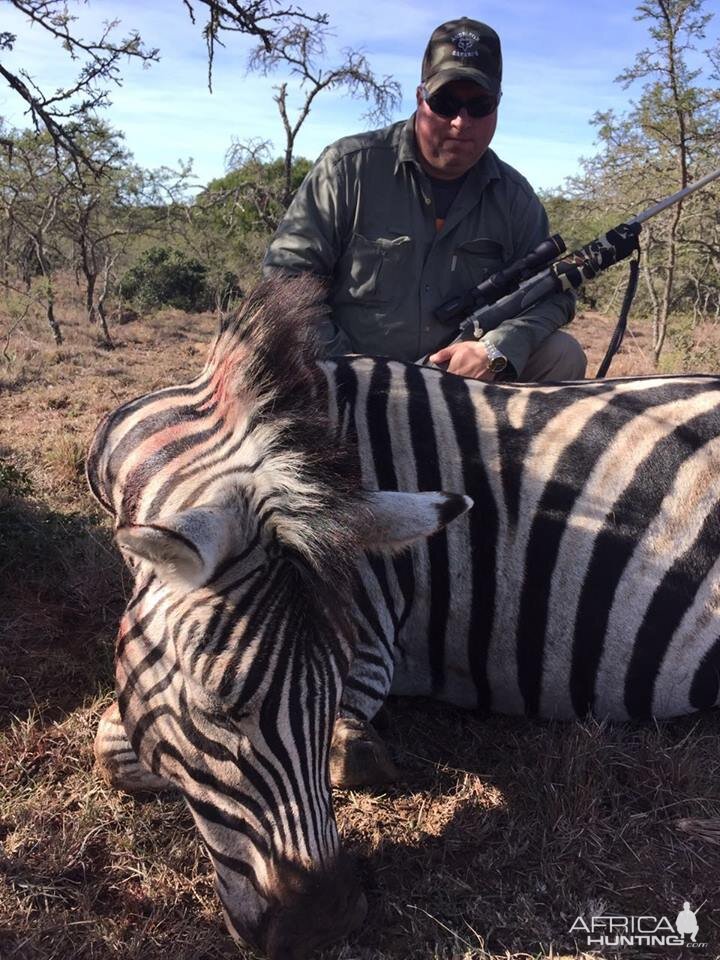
[[586, 578], [295, 560]]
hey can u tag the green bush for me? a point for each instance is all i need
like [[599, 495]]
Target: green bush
[[14, 482], [167, 278], [228, 290]]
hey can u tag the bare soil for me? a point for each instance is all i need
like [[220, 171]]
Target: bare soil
[[500, 835]]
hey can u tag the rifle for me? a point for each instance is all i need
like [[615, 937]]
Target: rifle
[[515, 288]]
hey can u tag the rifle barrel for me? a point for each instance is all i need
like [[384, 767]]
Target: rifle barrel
[[675, 197]]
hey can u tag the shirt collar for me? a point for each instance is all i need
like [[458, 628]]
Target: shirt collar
[[407, 148]]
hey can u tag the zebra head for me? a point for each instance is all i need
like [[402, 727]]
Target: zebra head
[[241, 517]]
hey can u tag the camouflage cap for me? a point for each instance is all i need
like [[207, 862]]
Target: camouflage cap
[[463, 50]]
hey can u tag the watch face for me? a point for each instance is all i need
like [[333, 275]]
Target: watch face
[[498, 364]]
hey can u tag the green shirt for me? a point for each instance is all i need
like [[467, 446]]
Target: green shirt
[[364, 219]]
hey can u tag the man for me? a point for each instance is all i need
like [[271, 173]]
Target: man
[[401, 220]]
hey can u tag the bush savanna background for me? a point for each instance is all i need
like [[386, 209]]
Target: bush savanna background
[[112, 277]]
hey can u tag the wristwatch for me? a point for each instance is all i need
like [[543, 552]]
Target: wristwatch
[[498, 361]]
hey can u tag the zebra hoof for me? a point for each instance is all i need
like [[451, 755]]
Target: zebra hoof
[[358, 757]]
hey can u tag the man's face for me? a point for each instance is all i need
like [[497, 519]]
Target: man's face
[[449, 147]]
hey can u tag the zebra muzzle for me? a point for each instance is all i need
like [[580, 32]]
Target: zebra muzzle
[[330, 907]]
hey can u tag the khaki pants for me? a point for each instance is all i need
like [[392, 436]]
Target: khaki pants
[[559, 357]]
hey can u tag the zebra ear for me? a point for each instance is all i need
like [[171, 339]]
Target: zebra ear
[[186, 547], [399, 519]]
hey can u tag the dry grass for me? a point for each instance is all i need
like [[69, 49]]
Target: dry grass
[[688, 349], [65, 458], [502, 832]]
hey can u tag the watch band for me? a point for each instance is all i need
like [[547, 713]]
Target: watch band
[[498, 360]]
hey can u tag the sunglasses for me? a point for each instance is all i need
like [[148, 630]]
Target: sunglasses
[[444, 104]]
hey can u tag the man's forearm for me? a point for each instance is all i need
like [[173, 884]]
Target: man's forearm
[[332, 340]]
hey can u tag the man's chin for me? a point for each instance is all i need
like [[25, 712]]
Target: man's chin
[[451, 165]]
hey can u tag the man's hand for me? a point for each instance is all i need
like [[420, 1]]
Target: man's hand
[[467, 358]]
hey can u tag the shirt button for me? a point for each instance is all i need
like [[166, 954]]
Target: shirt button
[[427, 288]]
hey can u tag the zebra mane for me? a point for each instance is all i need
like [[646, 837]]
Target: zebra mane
[[272, 336], [265, 359]]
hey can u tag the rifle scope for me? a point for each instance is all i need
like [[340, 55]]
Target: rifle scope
[[502, 282]]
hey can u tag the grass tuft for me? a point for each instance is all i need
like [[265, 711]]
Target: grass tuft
[[65, 459]]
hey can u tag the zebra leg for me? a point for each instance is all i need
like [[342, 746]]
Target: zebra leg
[[116, 759], [358, 756]]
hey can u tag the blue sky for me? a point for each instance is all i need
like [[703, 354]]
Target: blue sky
[[560, 61]]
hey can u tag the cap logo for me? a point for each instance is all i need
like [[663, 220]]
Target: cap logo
[[465, 43]]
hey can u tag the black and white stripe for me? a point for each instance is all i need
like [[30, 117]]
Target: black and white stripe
[[585, 578]]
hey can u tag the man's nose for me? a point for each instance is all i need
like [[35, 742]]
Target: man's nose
[[462, 118]]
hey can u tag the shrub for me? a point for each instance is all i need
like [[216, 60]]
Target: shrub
[[228, 290], [14, 482], [164, 277]]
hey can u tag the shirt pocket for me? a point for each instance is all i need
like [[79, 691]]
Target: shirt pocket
[[377, 267], [476, 260]]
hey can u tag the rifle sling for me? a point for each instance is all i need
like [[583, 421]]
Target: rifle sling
[[620, 327]]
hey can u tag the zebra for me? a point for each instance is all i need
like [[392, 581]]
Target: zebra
[[308, 536]]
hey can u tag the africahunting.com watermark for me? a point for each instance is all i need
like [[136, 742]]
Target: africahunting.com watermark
[[640, 931]]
